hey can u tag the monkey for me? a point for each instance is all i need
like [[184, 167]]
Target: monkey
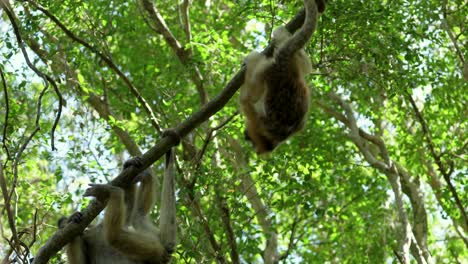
[[321, 4], [126, 235], [274, 97]]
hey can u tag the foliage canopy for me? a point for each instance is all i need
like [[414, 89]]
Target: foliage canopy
[[378, 175]]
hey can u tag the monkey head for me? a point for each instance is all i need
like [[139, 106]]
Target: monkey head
[[261, 143]]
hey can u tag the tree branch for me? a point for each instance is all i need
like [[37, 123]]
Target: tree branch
[[445, 173], [7, 113], [47, 79], [387, 167], [449, 32], [226, 219], [185, 15], [124, 179], [106, 59], [181, 52]]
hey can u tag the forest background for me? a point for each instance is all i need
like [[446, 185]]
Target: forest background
[[378, 175]]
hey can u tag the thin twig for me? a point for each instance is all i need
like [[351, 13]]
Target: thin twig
[[125, 178], [226, 219], [182, 53], [10, 216], [47, 79], [450, 34], [445, 172], [291, 243], [7, 112], [106, 59], [209, 136]]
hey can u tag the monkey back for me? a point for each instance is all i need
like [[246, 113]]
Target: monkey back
[[286, 101]]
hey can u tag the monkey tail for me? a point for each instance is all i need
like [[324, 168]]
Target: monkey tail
[[300, 37]]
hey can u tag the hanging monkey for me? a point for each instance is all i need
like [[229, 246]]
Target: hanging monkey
[[127, 235], [274, 97]]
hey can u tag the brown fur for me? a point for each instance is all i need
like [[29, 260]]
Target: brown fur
[[274, 97], [127, 235]]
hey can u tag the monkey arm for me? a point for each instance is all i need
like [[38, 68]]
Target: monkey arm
[[147, 194], [252, 97], [141, 243], [167, 221], [280, 35], [254, 87], [75, 250], [139, 200], [254, 83]]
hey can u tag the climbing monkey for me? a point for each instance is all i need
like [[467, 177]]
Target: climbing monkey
[[127, 234]]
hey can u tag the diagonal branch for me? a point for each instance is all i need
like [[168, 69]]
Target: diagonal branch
[[181, 52], [445, 172], [450, 33], [390, 168], [262, 212], [198, 212], [124, 179]]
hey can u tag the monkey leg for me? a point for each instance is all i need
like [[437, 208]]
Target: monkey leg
[[133, 243], [254, 81], [302, 61], [145, 197], [252, 92], [167, 221], [173, 134], [75, 250], [280, 35]]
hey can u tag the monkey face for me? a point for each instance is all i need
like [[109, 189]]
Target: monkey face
[[261, 143]]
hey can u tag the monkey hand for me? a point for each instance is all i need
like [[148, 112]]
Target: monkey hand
[[144, 176], [74, 218], [101, 191], [172, 133], [135, 161]]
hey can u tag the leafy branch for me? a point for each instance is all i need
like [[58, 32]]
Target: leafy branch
[[124, 179]]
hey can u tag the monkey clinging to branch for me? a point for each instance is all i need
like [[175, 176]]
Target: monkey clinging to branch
[[274, 97], [127, 235]]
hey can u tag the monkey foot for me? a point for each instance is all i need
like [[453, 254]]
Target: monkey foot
[[75, 217], [100, 191], [173, 134], [135, 161]]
